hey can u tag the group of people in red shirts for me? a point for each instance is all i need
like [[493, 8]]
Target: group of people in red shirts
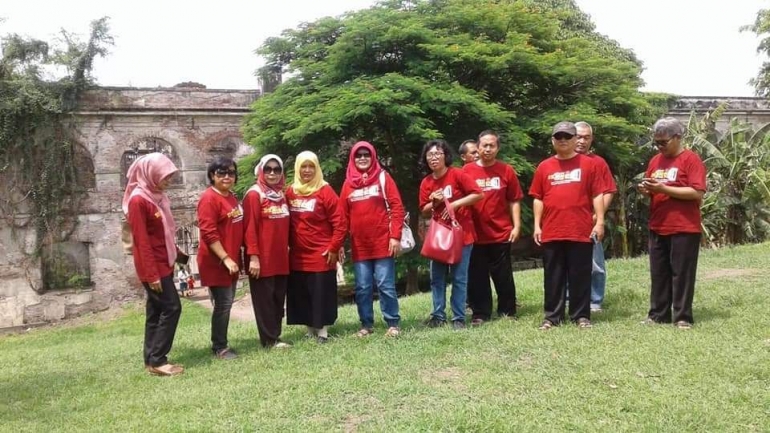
[[289, 239]]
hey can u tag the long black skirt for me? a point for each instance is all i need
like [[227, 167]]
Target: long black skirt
[[311, 298]]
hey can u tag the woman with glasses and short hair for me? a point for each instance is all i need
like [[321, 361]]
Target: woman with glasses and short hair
[[446, 182], [220, 220], [372, 212], [266, 218], [675, 181], [315, 237]]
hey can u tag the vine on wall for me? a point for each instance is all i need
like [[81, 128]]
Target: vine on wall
[[43, 182]]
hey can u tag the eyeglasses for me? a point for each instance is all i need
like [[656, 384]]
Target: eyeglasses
[[363, 155], [562, 136], [434, 155], [664, 142], [272, 170], [225, 173]]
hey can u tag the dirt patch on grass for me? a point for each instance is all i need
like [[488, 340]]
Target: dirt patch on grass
[[352, 422], [730, 273], [451, 377]]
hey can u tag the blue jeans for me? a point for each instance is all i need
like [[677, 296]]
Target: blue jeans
[[598, 274], [382, 273], [438, 273]]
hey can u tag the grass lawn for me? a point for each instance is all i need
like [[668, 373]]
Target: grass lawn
[[504, 376]]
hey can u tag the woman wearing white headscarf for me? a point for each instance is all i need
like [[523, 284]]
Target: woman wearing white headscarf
[[153, 230], [316, 234], [266, 218]]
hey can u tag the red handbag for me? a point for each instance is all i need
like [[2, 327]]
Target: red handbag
[[444, 242]]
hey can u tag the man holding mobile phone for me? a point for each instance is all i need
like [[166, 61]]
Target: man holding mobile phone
[[675, 180]]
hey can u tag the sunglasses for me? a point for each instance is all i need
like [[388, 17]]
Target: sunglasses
[[272, 170], [663, 142], [224, 173], [366, 155], [562, 136]]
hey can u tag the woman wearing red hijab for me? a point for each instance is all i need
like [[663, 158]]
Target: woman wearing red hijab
[[148, 211], [375, 233], [266, 218]]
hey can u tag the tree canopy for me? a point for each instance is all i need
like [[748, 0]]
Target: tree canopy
[[402, 72], [761, 27]]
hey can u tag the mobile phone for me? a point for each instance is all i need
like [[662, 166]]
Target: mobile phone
[[182, 258]]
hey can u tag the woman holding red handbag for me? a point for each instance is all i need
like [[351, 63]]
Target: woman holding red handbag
[[446, 195]]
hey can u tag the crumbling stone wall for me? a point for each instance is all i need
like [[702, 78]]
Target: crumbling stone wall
[[198, 124]]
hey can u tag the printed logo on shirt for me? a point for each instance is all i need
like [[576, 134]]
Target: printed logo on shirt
[[564, 177], [447, 191], [275, 211], [365, 193], [236, 214], [302, 205], [665, 175], [489, 184]]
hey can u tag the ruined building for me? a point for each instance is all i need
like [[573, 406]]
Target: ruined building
[[192, 125]]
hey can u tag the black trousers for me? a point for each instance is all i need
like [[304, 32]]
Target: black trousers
[[563, 261], [311, 298], [222, 298], [491, 260], [673, 265], [268, 295], [163, 311]]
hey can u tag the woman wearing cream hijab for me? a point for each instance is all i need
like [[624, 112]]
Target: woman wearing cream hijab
[[315, 236]]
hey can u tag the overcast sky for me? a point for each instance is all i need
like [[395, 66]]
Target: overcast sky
[[689, 47]]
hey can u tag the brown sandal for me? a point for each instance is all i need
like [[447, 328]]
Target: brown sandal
[[165, 370], [364, 332], [546, 325]]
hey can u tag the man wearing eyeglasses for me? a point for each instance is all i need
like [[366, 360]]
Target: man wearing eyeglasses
[[567, 193], [675, 180], [497, 218], [585, 139]]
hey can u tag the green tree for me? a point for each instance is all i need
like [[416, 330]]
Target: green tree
[[402, 72], [736, 207], [38, 155], [761, 28]]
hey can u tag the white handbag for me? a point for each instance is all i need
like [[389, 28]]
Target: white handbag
[[407, 238]]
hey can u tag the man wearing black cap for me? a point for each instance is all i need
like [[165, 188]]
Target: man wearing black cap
[[567, 192]]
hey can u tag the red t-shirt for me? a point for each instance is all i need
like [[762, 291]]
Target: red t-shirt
[[220, 219], [267, 233], [149, 250], [670, 215], [316, 227], [456, 185], [365, 216], [492, 215], [567, 189], [605, 174]]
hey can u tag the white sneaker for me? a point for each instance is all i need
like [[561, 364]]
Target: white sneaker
[[596, 308], [281, 345]]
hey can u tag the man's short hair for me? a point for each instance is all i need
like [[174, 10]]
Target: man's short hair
[[582, 124], [464, 146], [490, 132]]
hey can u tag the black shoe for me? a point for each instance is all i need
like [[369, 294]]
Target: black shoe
[[458, 324], [434, 322]]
